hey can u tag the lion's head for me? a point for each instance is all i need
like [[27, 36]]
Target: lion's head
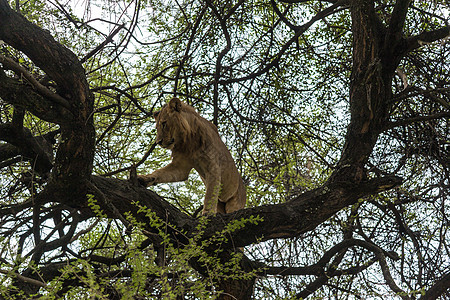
[[179, 127]]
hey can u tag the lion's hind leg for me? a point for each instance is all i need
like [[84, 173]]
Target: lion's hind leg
[[233, 205], [221, 207], [238, 200]]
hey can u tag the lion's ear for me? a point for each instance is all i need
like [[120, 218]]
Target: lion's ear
[[156, 113], [175, 104]]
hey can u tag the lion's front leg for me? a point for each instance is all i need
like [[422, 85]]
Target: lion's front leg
[[175, 171]]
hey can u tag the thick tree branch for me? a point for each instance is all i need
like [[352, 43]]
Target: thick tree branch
[[439, 288], [58, 62], [395, 29], [38, 149], [8, 154], [10, 64], [23, 96], [278, 221], [370, 91]]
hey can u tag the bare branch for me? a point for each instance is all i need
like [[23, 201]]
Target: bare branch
[[108, 39], [408, 121], [395, 28], [24, 278], [426, 38], [338, 6]]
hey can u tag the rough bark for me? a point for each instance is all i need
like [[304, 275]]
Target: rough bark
[[377, 50], [75, 154]]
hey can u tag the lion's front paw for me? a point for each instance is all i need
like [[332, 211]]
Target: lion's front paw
[[146, 180], [208, 213]]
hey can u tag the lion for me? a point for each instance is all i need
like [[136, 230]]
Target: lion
[[195, 144]]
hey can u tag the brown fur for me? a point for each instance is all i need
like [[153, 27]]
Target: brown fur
[[195, 144]]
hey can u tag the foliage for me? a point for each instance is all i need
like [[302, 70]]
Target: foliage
[[140, 266], [279, 88]]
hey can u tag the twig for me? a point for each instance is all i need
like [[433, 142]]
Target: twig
[[143, 159], [108, 39], [23, 278]]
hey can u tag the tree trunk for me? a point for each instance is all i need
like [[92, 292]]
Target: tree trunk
[[75, 154]]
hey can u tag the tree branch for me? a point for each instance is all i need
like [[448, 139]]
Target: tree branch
[[379, 254], [21, 71], [425, 38], [23, 96], [38, 148], [395, 29], [108, 39], [24, 278], [74, 157], [412, 120], [439, 288], [225, 50], [63, 67], [431, 94], [318, 268], [199, 18], [278, 221]]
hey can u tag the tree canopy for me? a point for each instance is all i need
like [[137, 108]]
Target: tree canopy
[[336, 113]]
